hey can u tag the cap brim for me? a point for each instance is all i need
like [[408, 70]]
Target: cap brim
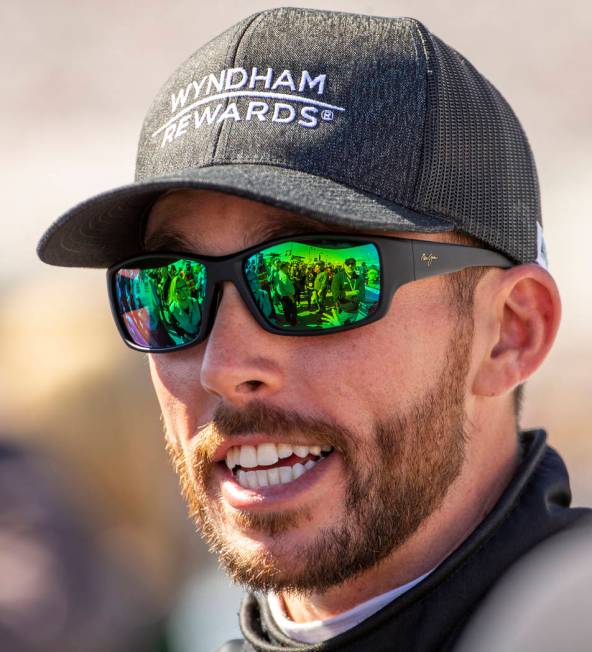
[[110, 227]]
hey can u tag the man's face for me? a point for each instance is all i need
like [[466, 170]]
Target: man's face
[[386, 400], [372, 276]]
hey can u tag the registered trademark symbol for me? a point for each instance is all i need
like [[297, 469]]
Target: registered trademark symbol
[[327, 115]]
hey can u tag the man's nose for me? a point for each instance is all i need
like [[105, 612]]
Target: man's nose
[[241, 361]]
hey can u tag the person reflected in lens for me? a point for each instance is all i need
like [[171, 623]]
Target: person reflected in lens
[[298, 280], [257, 277], [147, 299], [321, 286], [183, 310], [286, 292], [363, 271], [309, 280], [347, 289], [273, 271], [264, 296], [373, 279]]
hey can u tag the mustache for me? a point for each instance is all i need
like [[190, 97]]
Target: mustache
[[258, 417]]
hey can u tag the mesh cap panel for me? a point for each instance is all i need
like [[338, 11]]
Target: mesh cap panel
[[477, 168]]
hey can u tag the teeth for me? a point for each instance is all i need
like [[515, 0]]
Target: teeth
[[275, 476], [248, 456], [233, 457], [262, 478], [285, 474], [297, 471], [267, 454], [230, 458], [284, 450]]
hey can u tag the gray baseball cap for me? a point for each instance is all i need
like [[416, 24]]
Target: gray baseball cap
[[360, 121]]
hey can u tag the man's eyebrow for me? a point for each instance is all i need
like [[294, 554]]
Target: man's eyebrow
[[279, 227], [286, 226], [167, 241]]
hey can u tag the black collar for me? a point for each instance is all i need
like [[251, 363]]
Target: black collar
[[429, 617]]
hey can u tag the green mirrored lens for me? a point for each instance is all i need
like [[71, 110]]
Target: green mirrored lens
[[303, 286], [160, 303]]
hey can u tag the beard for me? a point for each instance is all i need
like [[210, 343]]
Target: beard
[[393, 481]]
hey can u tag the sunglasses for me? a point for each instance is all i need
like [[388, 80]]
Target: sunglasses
[[292, 286]]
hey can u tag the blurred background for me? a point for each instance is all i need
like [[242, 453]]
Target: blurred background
[[78, 419]]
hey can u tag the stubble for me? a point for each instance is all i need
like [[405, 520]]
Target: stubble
[[392, 484]]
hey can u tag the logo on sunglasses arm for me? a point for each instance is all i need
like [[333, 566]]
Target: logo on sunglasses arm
[[428, 259], [280, 97]]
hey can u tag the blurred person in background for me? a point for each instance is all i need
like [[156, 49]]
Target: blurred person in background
[[90, 510], [367, 482], [60, 592]]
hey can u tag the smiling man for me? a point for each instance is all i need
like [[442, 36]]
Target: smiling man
[[355, 463]]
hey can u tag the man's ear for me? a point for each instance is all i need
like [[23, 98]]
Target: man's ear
[[517, 313]]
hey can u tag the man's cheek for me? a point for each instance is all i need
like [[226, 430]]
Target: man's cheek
[[185, 405], [172, 375]]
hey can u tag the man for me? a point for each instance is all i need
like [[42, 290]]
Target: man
[[183, 309], [347, 289], [321, 286], [285, 290], [368, 487]]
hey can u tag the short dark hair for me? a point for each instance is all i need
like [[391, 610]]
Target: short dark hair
[[462, 288]]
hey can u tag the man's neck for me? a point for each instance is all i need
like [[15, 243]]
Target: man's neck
[[469, 499]]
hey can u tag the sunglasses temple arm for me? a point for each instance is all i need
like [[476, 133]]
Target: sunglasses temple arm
[[432, 259]]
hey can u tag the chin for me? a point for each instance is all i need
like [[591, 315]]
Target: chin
[[261, 551], [271, 531]]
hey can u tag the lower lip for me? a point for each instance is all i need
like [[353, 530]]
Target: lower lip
[[244, 498]]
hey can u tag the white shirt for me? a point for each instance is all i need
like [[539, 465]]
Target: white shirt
[[316, 631]]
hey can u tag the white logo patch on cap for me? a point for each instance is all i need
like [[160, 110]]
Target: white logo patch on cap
[[277, 97], [541, 258]]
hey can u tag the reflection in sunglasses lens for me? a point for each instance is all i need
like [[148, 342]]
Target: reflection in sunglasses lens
[[160, 305], [315, 285]]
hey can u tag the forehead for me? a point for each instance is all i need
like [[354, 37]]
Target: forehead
[[214, 223]]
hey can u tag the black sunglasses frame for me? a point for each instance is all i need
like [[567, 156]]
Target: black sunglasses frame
[[402, 260]]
